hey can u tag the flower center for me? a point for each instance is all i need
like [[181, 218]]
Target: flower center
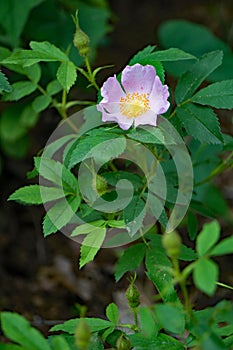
[[134, 105]]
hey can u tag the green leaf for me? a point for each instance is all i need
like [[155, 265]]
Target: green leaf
[[134, 215], [19, 330], [160, 342], [172, 54], [10, 347], [95, 324], [218, 95], [41, 103], [87, 228], [32, 194], [60, 343], [170, 317], [145, 57], [60, 214], [193, 78], [187, 37], [148, 324], [13, 17], [41, 52], [186, 253], [224, 247], [67, 75], [158, 271], [53, 87], [28, 117], [201, 123], [192, 225], [116, 223], [85, 145], [205, 275], [207, 237], [4, 84], [130, 260], [20, 89], [57, 173], [91, 245], [33, 73], [112, 313], [147, 134]]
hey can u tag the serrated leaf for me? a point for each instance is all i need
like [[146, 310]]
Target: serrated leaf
[[53, 87], [95, 324], [35, 194], [208, 236], [134, 215], [172, 54], [41, 52], [33, 73], [85, 145], [148, 324], [67, 75], [41, 103], [200, 122], [224, 247], [87, 228], [160, 342], [142, 54], [147, 134], [60, 214], [205, 275], [130, 260], [158, 266], [170, 318], [4, 84], [20, 89], [112, 313], [218, 95], [193, 78], [57, 173], [186, 253], [91, 245], [19, 330]]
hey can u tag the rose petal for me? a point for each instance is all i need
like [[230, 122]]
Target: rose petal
[[138, 78], [111, 90], [148, 118], [158, 97], [124, 122]]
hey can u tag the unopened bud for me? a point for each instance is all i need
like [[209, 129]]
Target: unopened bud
[[123, 343], [133, 296], [81, 40], [172, 242], [82, 335], [101, 185]]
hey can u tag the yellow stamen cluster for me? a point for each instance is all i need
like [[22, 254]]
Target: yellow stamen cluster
[[134, 105]]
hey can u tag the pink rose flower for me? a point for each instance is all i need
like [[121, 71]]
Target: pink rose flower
[[138, 100]]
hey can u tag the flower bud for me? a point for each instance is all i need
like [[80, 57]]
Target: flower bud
[[100, 185], [133, 296], [82, 335], [171, 242], [123, 343], [81, 40]]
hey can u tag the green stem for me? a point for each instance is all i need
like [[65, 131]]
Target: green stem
[[218, 170], [63, 105], [182, 282], [135, 313], [90, 74]]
